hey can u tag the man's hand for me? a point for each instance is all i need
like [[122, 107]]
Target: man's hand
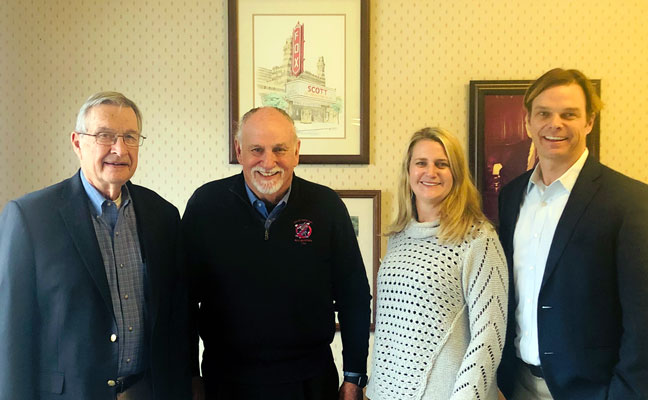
[[197, 388], [350, 391]]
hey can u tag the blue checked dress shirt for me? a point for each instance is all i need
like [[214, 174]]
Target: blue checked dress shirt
[[116, 230]]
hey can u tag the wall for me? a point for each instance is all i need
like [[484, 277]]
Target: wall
[[171, 58]]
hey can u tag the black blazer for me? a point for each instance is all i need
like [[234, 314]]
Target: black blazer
[[593, 302], [56, 314]]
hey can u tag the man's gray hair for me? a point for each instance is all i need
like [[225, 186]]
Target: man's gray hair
[[248, 114], [112, 98]]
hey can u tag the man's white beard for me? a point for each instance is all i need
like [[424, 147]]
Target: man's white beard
[[267, 187]]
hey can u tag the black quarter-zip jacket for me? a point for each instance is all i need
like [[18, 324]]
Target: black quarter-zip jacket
[[267, 297]]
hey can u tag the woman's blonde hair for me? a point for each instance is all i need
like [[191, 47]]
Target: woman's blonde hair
[[461, 209]]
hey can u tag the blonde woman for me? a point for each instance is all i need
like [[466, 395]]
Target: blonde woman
[[442, 286]]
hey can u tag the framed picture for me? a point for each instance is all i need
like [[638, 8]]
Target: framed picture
[[364, 210], [499, 147], [311, 59]]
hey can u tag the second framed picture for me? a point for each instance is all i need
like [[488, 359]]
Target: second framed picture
[[311, 59], [499, 147], [364, 210]]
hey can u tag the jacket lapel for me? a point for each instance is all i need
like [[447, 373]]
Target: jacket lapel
[[77, 218], [146, 229], [581, 195]]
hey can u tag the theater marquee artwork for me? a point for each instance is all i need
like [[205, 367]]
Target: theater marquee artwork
[[310, 89], [309, 59]]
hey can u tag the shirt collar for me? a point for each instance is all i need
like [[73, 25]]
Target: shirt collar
[[97, 199], [254, 200], [566, 180]]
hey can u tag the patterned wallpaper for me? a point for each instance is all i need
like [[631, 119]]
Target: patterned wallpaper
[[170, 56]]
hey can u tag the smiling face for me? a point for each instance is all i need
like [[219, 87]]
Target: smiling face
[[430, 177], [558, 125], [107, 168], [269, 152]]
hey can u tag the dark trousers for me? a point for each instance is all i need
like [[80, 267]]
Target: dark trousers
[[139, 391], [321, 387]]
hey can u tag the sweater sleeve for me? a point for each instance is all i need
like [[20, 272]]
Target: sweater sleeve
[[190, 227], [351, 292], [485, 287]]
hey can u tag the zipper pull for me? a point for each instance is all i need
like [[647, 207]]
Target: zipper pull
[[267, 235]]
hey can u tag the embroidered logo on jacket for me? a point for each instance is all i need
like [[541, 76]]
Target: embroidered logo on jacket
[[303, 230]]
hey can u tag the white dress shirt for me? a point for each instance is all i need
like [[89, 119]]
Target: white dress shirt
[[540, 212]]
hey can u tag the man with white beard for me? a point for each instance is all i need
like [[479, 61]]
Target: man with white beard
[[273, 256]]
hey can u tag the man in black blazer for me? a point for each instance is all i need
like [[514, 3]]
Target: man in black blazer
[[575, 233], [93, 302]]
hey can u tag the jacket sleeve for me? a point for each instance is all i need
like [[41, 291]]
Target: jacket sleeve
[[485, 288], [18, 308], [351, 292], [630, 377], [506, 371]]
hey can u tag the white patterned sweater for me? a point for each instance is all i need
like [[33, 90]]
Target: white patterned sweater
[[441, 316]]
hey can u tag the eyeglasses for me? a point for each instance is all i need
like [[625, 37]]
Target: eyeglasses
[[108, 138]]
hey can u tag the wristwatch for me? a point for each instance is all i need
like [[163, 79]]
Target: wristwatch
[[356, 379]]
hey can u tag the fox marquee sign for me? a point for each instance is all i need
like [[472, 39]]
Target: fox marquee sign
[[298, 49]]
